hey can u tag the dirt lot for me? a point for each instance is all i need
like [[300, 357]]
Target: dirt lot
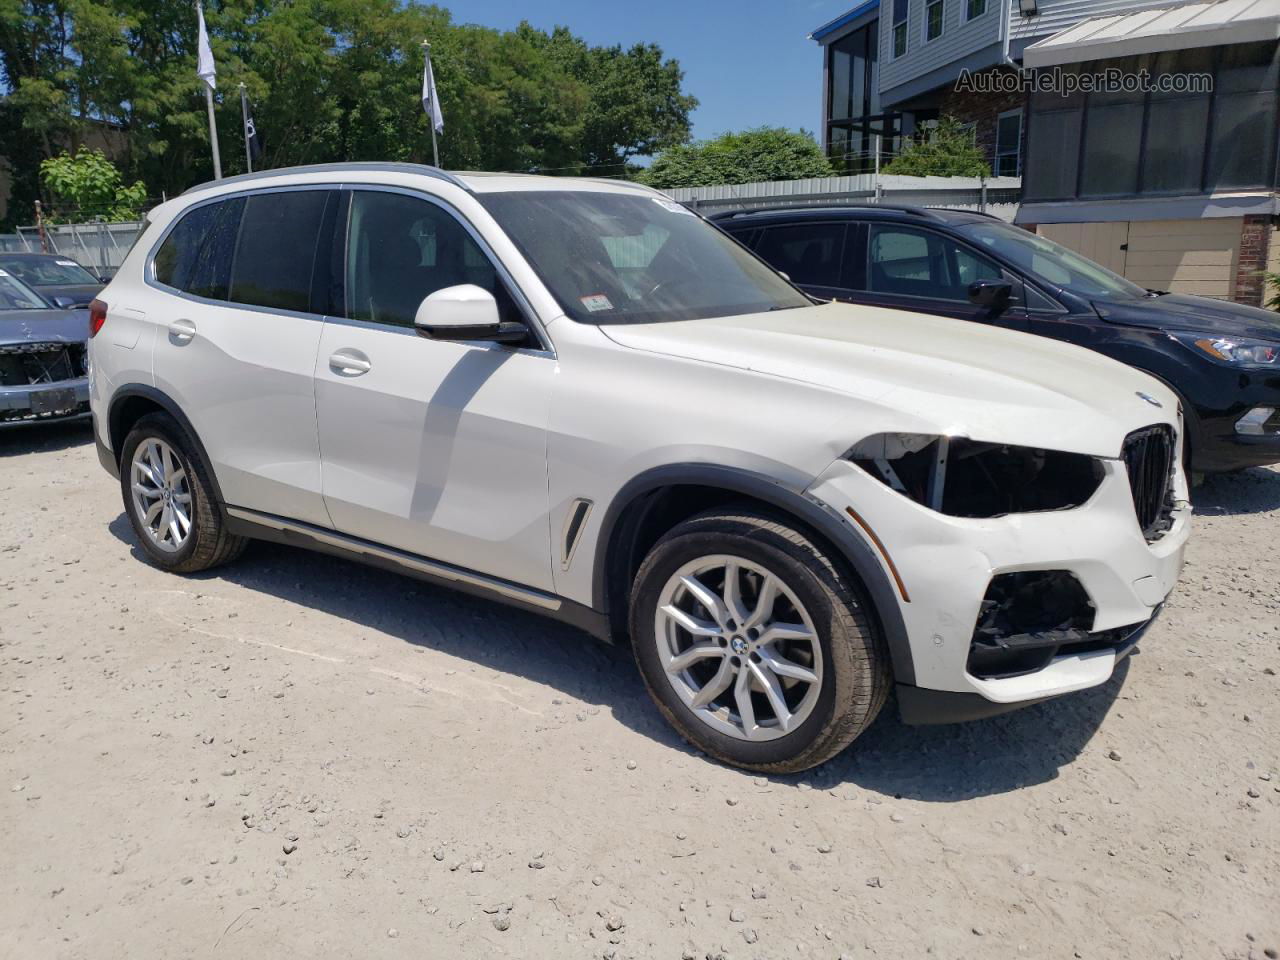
[[301, 757]]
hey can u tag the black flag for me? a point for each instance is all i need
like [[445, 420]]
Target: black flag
[[253, 149], [254, 139]]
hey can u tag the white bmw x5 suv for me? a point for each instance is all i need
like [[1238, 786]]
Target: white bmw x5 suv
[[579, 398]]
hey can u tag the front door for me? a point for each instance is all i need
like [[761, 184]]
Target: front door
[[431, 447], [911, 268]]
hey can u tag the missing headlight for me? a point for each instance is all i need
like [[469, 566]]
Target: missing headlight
[[969, 478]]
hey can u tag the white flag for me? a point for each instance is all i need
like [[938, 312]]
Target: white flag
[[430, 99], [204, 66]]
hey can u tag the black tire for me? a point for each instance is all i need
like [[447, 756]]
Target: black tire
[[209, 543], [856, 681]]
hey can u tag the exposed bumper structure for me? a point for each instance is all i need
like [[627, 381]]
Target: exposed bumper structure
[[948, 564], [44, 402]]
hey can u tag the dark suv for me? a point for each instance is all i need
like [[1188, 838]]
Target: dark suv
[[1223, 359]]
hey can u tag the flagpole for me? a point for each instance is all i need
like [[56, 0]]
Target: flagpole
[[213, 133], [435, 150], [244, 126], [206, 71]]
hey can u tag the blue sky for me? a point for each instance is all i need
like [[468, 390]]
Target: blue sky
[[749, 62]]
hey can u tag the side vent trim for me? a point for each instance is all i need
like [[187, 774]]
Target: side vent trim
[[574, 523]]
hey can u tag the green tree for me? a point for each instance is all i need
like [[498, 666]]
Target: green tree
[[329, 79], [768, 153], [947, 150], [88, 186]]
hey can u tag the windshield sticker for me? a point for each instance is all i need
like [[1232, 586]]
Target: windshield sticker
[[673, 207], [66, 263], [596, 302]]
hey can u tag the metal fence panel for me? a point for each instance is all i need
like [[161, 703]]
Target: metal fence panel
[[998, 196], [98, 246]]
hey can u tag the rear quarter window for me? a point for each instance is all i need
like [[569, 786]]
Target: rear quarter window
[[197, 254]]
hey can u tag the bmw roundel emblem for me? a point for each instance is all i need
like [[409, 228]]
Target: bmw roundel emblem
[[1149, 398]]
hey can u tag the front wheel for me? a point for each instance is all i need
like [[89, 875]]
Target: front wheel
[[756, 646]]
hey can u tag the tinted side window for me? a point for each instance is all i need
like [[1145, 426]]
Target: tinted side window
[[276, 257], [810, 254], [401, 248], [917, 263], [196, 256]]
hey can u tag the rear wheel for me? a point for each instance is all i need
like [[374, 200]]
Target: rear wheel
[[755, 645], [169, 498]]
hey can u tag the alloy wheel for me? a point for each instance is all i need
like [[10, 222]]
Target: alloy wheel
[[738, 647], [161, 494]]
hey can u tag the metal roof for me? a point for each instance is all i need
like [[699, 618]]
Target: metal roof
[[831, 26], [1153, 31]]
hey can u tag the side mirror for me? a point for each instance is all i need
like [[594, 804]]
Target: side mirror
[[465, 312], [990, 294], [64, 303]]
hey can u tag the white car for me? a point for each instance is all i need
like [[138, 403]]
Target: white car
[[579, 398]]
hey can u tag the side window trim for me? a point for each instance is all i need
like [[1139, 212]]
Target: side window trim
[[149, 268], [530, 316]]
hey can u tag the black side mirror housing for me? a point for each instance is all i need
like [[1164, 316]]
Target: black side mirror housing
[[990, 294]]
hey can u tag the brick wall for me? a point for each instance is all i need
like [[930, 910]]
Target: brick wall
[[983, 111], [1255, 242]]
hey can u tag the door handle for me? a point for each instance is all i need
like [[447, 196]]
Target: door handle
[[182, 331], [350, 363]]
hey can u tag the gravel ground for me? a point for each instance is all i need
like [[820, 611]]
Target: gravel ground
[[300, 757]]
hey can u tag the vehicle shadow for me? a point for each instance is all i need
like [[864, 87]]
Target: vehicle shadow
[[941, 764], [44, 437], [1256, 490]]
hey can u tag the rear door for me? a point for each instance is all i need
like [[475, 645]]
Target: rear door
[[238, 288], [812, 254]]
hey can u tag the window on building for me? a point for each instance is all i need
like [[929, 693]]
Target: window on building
[[1242, 139], [1174, 143], [974, 8], [1053, 139], [1113, 136], [900, 10], [1172, 163], [933, 20], [1008, 159]]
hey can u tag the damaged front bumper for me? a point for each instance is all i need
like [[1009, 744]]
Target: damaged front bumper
[[44, 402], [975, 652]]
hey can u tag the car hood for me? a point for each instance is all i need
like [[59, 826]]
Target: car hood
[[1180, 312], [930, 373], [82, 293], [36, 326]]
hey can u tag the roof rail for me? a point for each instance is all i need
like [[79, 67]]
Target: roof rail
[[926, 213], [421, 169]]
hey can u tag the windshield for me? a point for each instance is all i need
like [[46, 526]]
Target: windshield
[[635, 258], [16, 295], [1051, 262], [47, 271]]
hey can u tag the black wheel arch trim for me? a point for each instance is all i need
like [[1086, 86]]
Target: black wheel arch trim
[[853, 547], [170, 406]]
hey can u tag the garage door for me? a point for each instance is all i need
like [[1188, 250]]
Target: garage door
[[1183, 256]]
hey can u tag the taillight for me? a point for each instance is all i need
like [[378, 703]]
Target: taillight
[[97, 316]]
